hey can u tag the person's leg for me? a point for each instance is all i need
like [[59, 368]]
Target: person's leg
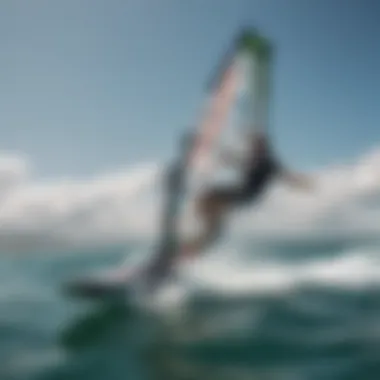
[[209, 235], [211, 209]]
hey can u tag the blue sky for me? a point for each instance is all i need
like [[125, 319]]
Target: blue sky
[[89, 85]]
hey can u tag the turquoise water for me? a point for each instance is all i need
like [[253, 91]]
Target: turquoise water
[[313, 317]]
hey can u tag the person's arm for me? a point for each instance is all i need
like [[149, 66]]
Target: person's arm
[[296, 180]]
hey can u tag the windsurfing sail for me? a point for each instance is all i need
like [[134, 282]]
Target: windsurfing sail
[[237, 102], [238, 99]]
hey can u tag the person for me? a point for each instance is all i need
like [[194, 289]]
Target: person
[[259, 169]]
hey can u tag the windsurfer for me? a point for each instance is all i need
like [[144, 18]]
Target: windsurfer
[[260, 167]]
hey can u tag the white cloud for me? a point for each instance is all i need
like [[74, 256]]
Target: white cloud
[[124, 205], [346, 200], [100, 209], [14, 171]]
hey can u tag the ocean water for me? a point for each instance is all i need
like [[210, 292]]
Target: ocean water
[[287, 312], [290, 293]]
